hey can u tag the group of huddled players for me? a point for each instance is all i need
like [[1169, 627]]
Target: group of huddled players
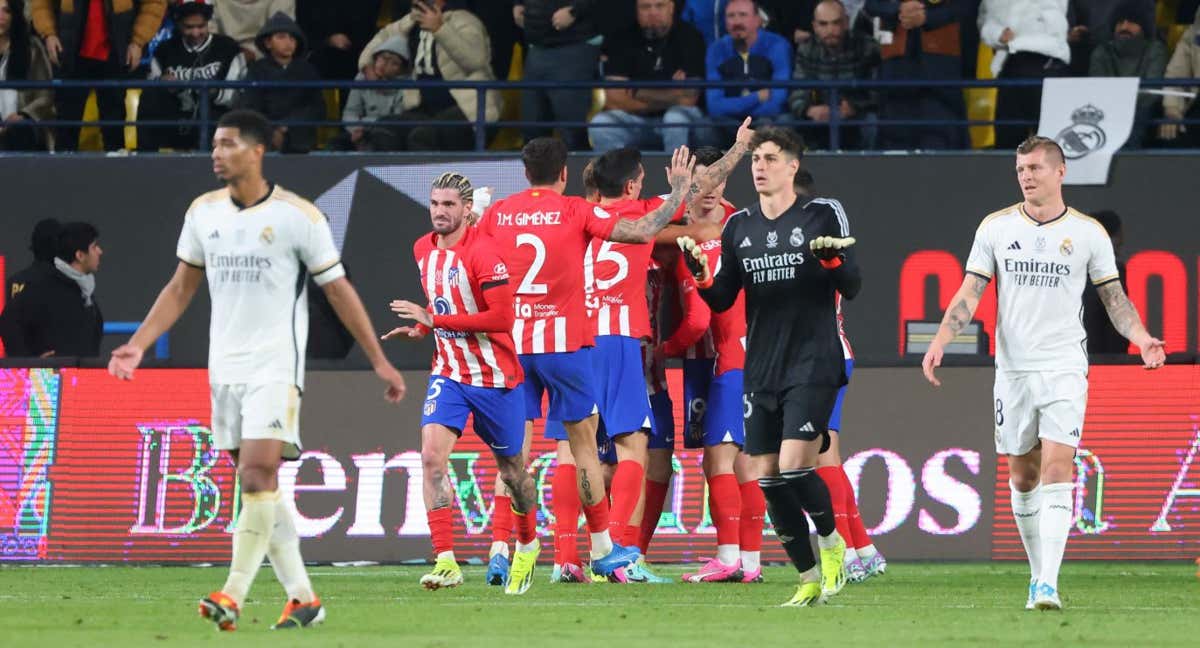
[[543, 294]]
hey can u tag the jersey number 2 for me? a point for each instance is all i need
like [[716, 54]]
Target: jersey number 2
[[528, 286]]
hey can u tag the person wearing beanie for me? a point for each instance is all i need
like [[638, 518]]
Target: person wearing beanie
[[286, 60]]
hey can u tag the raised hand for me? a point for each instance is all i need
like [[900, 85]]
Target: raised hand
[[679, 174], [827, 247]]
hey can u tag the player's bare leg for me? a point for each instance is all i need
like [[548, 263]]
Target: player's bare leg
[[606, 555], [565, 504], [751, 517], [863, 560], [725, 504], [502, 520], [524, 495], [659, 469], [1026, 495], [258, 474], [436, 443]]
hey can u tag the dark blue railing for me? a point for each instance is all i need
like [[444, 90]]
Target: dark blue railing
[[162, 347], [204, 118]]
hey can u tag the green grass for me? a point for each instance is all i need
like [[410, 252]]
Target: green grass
[[1108, 604]]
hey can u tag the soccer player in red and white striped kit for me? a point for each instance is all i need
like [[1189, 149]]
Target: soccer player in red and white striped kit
[[475, 372]]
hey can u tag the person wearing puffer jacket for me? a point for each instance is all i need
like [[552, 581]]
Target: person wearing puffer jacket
[[286, 60], [447, 43], [1030, 40], [1184, 64]]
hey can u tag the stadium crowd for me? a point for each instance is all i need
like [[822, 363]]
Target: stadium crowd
[[752, 41]]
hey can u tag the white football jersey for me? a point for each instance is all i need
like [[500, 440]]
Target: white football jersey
[[1040, 270], [258, 260]]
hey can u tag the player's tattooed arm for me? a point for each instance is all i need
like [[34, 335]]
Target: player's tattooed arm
[[1121, 311], [645, 228], [963, 306], [1126, 320], [719, 171]]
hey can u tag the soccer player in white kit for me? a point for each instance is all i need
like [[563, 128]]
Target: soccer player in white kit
[[1041, 252], [257, 244]]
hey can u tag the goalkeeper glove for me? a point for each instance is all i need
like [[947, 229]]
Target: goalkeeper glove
[[696, 260], [829, 250]]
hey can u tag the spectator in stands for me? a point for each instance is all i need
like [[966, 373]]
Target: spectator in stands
[[337, 31], [193, 53], [1131, 52], [1091, 26], [748, 53], [22, 58], [1184, 64], [390, 61], [285, 45], [920, 40], [57, 313], [660, 48], [707, 16], [835, 52], [803, 10], [561, 44], [44, 245], [95, 39], [1102, 337], [241, 20], [1030, 39], [446, 43]]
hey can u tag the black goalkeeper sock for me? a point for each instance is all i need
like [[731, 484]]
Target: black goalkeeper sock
[[791, 527], [810, 490]]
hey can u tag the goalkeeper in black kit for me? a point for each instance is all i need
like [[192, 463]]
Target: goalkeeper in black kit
[[791, 256]]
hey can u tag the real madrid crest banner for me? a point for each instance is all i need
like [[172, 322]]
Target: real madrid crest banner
[[1090, 118]]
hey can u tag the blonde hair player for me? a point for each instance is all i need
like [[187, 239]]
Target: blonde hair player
[[1042, 252]]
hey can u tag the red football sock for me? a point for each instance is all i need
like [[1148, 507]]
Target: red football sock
[[858, 532], [527, 525], [656, 497], [832, 477], [441, 529], [754, 509], [725, 507], [564, 503], [597, 516], [626, 491], [502, 518]]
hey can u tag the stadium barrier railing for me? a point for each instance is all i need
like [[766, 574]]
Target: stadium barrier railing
[[205, 120]]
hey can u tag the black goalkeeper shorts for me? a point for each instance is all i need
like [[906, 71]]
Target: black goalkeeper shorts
[[801, 412]]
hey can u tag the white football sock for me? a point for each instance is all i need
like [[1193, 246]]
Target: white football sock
[[750, 560], [851, 555], [1027, 511], [727, 554], [250, 540], [284, 552], [498, 547], [867, 552], [1058, 509], [602, 544], [829, 541]]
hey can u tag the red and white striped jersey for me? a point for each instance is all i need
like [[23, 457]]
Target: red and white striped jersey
[[704, 348], [616, 276], [656, 372], [455, 281], [847, 352], [529, 227], [727, 329]]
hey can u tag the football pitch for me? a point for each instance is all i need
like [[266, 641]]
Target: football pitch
[[1108, 604]]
